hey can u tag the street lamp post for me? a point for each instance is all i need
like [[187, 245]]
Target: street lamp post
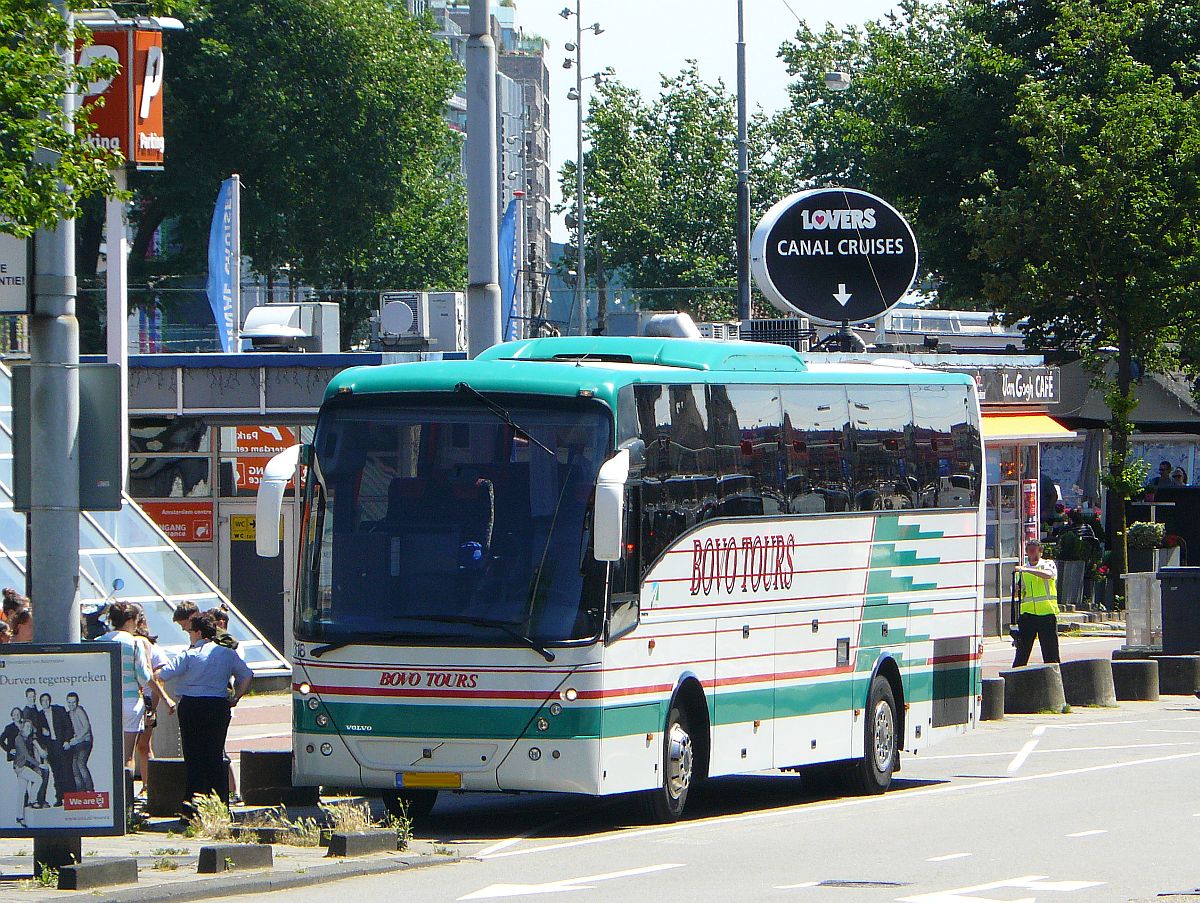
[[743, 179], [577, 96]]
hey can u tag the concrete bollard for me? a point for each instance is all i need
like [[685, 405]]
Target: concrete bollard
[[267, 780], [1136, 679], [92, 873], [361, 843], [1088, 682], [993, 699], [166, 787], [232, 856], [1178, 675], [1033, 689]]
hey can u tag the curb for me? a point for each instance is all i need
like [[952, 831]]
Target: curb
[[266, 882]]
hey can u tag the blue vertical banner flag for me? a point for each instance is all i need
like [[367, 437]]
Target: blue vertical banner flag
[[508, 273], [222, 266]]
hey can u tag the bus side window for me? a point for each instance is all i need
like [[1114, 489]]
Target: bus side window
[[814, 440], [745, 428], [942, 460], [880, 463]]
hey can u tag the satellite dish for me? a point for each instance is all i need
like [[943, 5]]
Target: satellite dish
[[396, 318]]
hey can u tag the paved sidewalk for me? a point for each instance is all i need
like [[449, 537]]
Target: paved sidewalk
[[167, 864]]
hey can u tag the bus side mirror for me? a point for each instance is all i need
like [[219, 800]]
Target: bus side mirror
[[608, 516], [276, 475]]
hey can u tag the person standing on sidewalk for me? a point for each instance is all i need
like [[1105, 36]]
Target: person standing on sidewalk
[[202, 676], [1039, 606]]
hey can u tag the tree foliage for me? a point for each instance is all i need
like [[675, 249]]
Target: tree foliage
[[46, 170], [332, 113], [1049, 154], [661, 178]]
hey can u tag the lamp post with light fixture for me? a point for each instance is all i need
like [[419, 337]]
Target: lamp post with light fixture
[[576, 94]]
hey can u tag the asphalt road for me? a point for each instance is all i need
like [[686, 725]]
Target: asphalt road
[[1097, 805]]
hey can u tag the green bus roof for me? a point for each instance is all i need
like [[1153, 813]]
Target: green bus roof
[[602, 365]]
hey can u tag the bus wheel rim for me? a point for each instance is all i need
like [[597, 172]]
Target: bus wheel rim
[[884, 737], [679, 761]]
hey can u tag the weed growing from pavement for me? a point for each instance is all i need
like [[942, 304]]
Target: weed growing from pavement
[[48, 877], [402, 825], [170, 851], [163, 864], [349, 816], [306, 832], [212, 818]]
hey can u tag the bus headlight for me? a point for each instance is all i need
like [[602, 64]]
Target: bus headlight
[[305, 688], [570, 694], [327, 749], [314, 703], [322, 719]]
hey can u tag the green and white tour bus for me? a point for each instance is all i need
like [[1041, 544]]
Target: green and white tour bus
[[613, 565]]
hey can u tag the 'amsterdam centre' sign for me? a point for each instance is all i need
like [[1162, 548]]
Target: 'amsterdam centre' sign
[[833, 255]]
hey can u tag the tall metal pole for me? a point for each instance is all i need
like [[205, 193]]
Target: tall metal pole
[[743, 180], [54, 445], [236, 276], [580, 234], [483, 262], [116, 290]]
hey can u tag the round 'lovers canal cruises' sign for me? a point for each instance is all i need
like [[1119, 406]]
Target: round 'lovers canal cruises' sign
[[833, 255]]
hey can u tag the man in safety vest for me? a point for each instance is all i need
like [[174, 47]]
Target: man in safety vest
[[1039, 606]]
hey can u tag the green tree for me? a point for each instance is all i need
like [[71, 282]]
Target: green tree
[[46, 172], [1096, 239], [660, 178], [332, 113]]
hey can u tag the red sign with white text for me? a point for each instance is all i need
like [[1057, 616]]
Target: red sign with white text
[[183, 521], [263, 443], [130, 117]]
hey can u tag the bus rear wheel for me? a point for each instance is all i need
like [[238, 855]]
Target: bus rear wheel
[[873, 773], [665, 804], [411, 804]]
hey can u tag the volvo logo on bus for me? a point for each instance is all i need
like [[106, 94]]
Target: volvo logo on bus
[[833, 255]]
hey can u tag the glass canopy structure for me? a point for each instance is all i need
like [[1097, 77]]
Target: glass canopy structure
[[129, 545]]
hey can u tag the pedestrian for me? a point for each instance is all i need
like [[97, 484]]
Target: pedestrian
[[220, 616], [13, 602], [21, 622], [54, 731], [1038, 618], [30, 770], [153, 694], [203, 673], [1179, 477], [183, 614], [135, 671], [80, 744], [1163, 478]]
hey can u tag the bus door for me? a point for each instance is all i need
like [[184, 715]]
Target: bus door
[[744, 710]]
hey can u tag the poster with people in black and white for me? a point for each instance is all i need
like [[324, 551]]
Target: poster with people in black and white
[[60, 737]]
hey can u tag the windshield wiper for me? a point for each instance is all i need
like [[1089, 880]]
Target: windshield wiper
[[329, 647], [503, 414], [508, 627]]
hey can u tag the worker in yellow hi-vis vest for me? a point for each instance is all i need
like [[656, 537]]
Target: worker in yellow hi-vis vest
[[1039, 606]]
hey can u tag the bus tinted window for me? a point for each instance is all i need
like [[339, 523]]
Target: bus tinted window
[[945, 447], [814, 435], [880, 475], [746, 428]]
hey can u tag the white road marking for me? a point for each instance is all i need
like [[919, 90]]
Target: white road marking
[[505, 844], [1062, 749], [794, 886], [792, 811], [554, 887], [1020, 757], [1087, 833], [1027, 882], [948, 857]]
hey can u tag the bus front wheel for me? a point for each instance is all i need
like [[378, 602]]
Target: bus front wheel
[[411, 804], [665, 804], [873, 773]]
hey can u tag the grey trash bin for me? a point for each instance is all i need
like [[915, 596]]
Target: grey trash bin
[[1180, 610]]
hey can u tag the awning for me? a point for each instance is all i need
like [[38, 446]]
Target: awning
[[998, 426]]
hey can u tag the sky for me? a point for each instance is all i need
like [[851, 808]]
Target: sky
[[643, 38]]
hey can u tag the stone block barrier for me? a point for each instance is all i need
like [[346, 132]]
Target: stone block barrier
[[93, 873], [267, 780], [1088, 681], [227, 857], [993, 699], [1135, 679], [1178, 675], [1033, 689]]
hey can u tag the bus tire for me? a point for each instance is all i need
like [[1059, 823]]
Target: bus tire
[[665, 803], [873, 773], [411, 804]]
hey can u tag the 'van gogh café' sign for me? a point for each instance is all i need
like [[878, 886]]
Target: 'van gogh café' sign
[[1027, 386]]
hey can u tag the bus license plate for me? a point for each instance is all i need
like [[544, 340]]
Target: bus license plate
[[429, 780]]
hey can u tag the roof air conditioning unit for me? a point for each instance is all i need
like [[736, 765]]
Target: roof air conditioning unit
[[403, 320], [312, 326]]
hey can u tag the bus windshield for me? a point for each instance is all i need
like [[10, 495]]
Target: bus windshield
[[461, 521]]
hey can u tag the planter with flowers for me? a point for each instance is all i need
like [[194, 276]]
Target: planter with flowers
[[1150, 548]]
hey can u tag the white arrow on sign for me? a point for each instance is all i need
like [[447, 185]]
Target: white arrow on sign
[[841, 296], [554, 887], [1025, 882]]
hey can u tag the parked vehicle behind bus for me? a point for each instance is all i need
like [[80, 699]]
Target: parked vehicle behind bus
[[613, 565]]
